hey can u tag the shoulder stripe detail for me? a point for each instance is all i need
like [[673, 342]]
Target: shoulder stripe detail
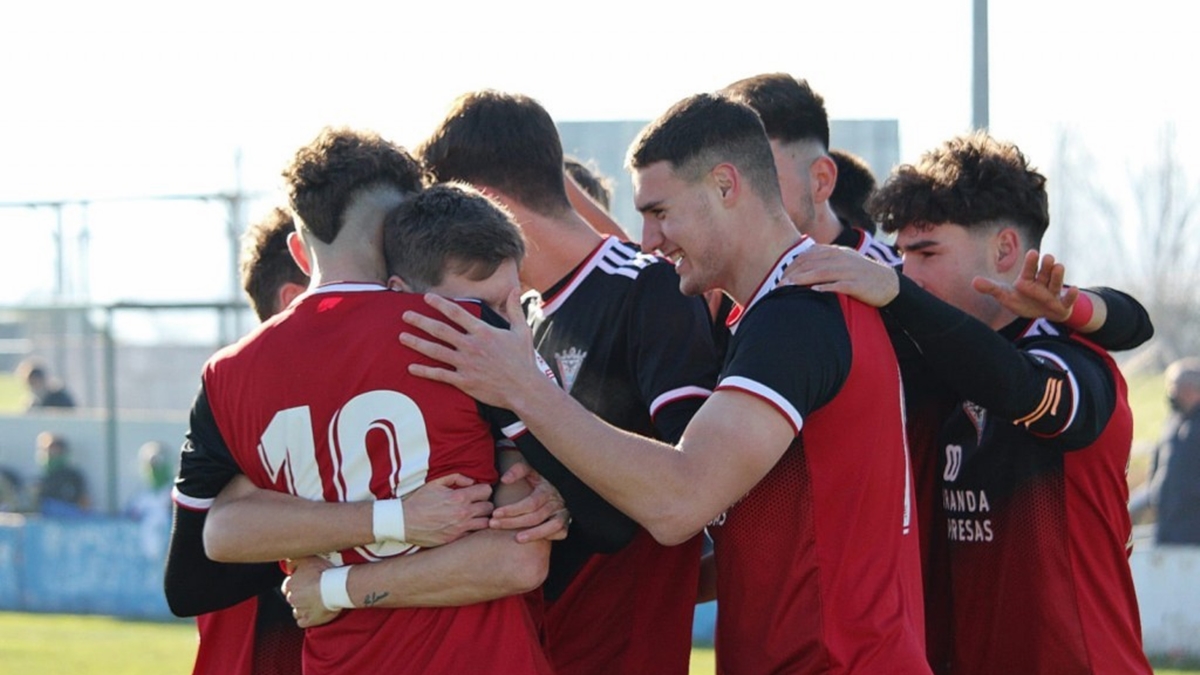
[[190, 503], [1048, 406], [769, 395], [549, 305], [879, 251], [675, 395], [1074, 387]]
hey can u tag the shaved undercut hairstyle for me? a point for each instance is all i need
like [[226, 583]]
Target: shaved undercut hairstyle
[[702, 131], [506, 142], [972, 180], [449, 228], [266, 263], [790, 110], [342, 168]]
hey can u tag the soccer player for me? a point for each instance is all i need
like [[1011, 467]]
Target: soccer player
[[809, 507], [1032, 464], [798, 126], [258, 636], [854, 186], [317, 403], [626, 344]]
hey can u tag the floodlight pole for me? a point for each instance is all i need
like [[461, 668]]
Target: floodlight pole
[[979, 65]]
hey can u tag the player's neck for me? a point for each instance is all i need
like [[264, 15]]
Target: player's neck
[[555, 246], [757, 256], [825, 227]]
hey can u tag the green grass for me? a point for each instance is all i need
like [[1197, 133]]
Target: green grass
[[12, 394], [60, 644]]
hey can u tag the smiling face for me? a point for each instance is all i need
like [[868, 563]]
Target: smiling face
[[678, 222], [943, 259]]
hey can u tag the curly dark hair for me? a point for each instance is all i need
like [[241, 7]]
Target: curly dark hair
[[970, 180], [790, 110], [326, 175], [507, 142], [266, 263]]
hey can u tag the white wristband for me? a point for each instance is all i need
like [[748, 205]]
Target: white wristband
[[387, 520], [335, 593]]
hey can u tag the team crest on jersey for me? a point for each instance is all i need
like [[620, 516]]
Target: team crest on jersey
[[569, 363], [978, 417]]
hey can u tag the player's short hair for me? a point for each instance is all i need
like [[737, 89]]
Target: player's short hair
[[449, 228], [344, 168], [588, 177], [266, 263], [506, 142], [790, 110], [705, 130], [855, 185], [31, 368], [971, 180]]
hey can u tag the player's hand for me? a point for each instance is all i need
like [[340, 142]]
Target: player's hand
[[836, 269], [302, 588], [445, 509], [542, 515], [1037, 292], [493, 365]]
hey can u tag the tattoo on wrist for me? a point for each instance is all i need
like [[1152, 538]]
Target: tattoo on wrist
[[373, 598]]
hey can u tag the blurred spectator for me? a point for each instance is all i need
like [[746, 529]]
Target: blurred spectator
[[588, 177], [855, 185], [1173, 487], [61, 489], [12, 491], [152, 507], [45, 392]]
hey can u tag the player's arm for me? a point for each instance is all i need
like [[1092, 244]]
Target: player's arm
[[1114, 320], [730, 444], [481, 566], [251, 524], [1051, 387], [192, 582]]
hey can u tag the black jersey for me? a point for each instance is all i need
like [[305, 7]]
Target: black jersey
[[868, 246], [1032, 499], [631, 348]]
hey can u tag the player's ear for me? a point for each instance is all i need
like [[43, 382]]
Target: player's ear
[[299, 254], [822, 175], [1009, 252], [395, 283], [288, 292], [727, 180]]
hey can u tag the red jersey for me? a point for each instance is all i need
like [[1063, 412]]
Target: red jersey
[[318, 402], [1037, 523], [818, 569]]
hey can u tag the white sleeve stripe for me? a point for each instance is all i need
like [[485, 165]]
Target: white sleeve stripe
[[1070, 381], [190, 503], [769, 395], [515, 429], [677, 394]]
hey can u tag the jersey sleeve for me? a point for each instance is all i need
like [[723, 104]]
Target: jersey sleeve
[[792, 350], [1078, 396], [193, 583], [1040, 386], [1127, 326], [671, 347]]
